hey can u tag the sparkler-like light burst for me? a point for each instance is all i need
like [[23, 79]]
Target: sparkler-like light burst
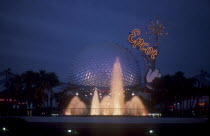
[[156, 30]]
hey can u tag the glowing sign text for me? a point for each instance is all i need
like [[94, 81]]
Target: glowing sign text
[[140, 42]]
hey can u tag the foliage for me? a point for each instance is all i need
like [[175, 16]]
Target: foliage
[[32, 87], [177, 91]]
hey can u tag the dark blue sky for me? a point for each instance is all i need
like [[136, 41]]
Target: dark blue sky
[[47, 34]]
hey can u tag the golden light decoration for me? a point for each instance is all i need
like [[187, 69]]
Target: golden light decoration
[[155, 29]]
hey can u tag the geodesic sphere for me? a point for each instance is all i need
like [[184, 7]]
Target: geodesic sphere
[[93, 66]]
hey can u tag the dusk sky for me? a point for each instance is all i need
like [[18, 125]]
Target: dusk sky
[[48, 34]]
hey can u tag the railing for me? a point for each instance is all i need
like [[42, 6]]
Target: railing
[[106, 111]]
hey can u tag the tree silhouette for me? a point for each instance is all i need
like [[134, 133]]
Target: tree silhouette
[[32, 87], [175, 90]]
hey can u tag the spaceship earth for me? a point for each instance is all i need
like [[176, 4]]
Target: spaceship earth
[[92, 67]]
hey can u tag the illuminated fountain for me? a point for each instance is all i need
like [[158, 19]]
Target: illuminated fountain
[[135, 107], [117, 94], [110, 105], [95, 104], [76, 107], [105, 106]]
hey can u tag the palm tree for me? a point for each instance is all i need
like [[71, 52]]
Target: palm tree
[[37, 84], [53, 81], [172, 89], [31, 81]]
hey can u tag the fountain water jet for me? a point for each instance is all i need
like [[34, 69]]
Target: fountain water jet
[[105, 106], [135, 107], [76, 107], [95, 104], [117, 97]]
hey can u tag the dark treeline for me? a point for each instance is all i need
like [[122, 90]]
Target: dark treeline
[[30, 87], [178, 93]]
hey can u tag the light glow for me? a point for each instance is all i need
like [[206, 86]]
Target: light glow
[[151, 131], [201, 104], [4, 129]]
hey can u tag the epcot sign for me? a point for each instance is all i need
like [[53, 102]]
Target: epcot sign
[[140, 42]]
